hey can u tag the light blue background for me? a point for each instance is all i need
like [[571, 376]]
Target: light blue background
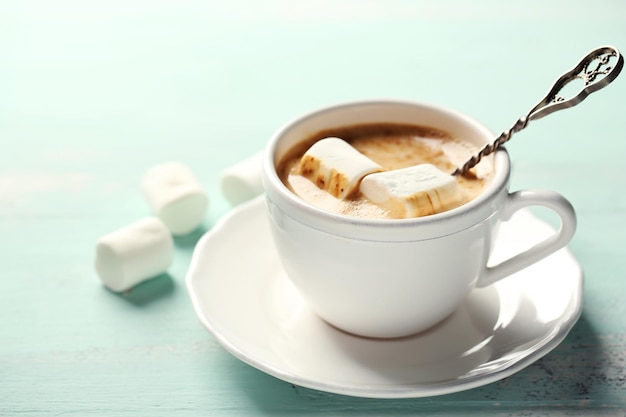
[[92, 94]]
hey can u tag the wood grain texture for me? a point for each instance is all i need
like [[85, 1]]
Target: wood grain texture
[[92, 95]]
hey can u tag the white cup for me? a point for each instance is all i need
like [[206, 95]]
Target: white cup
[[396, 277]]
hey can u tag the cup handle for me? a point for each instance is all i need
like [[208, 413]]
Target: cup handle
[[518, 200]]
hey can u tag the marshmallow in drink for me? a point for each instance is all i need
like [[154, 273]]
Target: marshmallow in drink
[[335, 166], [134, 253], [419, 190], [175, 196], [242, 181]]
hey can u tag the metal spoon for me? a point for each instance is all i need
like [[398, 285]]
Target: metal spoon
[[595, 70]]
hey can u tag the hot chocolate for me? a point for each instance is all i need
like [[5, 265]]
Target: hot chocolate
[[392, 146]]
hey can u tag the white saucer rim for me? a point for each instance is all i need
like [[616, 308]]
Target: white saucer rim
[[544, 346]]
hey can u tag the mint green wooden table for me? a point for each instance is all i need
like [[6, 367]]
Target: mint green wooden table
[[92, 95]]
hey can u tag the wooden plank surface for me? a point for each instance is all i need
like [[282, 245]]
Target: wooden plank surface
[[92, 95]]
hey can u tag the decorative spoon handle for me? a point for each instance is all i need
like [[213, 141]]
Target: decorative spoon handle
[[596, 70]]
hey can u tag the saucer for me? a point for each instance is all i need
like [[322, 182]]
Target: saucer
[[242, 296]]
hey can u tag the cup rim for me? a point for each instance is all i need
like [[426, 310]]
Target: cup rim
[[274, 187]]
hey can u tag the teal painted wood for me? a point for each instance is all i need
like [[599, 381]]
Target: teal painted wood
[[92, 96]]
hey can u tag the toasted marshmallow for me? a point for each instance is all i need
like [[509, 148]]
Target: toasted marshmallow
[[311, 193], [335, 166], [415, 191]]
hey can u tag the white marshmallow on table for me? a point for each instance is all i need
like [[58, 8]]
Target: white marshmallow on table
[[419, 190], [242, 181], [134, 253], [175, 196], [335, 166]]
